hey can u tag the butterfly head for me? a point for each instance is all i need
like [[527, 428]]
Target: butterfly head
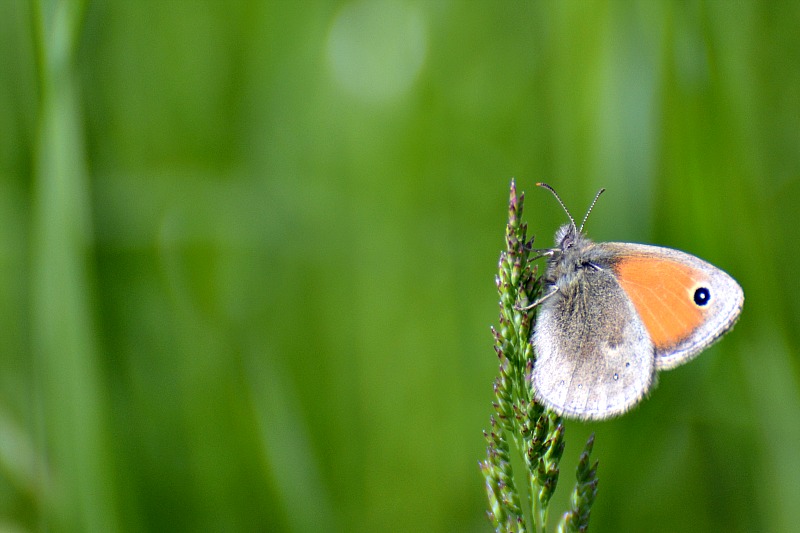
[[570, 236]]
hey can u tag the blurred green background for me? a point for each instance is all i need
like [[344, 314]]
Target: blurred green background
[[247, 254]]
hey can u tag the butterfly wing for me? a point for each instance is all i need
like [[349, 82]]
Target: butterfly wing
[[594, 357], [684, 302]]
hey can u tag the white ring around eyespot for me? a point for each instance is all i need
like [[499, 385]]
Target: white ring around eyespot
[[694, 290]]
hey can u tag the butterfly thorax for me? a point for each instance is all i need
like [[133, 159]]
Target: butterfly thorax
[[574, 253]]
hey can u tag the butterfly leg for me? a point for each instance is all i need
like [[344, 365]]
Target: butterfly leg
[[540, 252], [538, 302]]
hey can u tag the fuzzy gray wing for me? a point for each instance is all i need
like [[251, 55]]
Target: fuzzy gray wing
[[594, 357]]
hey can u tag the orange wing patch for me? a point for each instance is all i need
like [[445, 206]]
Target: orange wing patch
[[660, 291]]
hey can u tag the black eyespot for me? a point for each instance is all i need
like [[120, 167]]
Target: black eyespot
[[702, 296]]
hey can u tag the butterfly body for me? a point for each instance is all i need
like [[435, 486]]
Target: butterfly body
[[614, 314]]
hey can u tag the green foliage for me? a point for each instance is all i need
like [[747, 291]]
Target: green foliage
[[537, 433], [246, 252], [577, 518]]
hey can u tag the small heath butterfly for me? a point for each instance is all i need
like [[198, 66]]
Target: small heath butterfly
[[613, 314]]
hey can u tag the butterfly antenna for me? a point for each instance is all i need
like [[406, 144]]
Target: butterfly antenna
[[596, 196], [549, 188]]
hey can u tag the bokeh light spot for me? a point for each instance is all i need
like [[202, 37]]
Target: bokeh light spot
[[375, 50]]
